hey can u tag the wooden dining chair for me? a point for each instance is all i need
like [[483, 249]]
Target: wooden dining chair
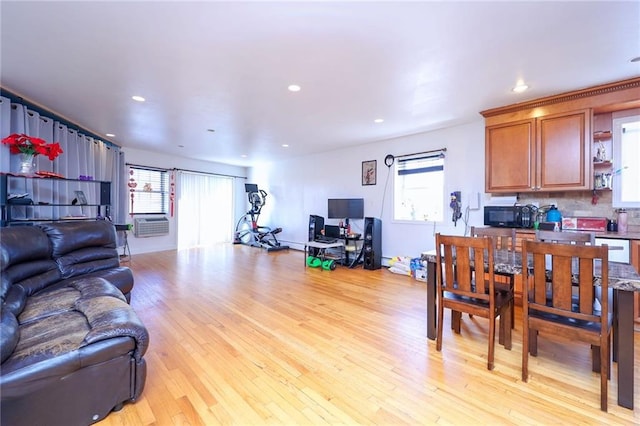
[[503, 239], [562, 313], [461, 289], [580, 238]]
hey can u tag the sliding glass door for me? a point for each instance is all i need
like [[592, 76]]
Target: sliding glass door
[[204, 209]]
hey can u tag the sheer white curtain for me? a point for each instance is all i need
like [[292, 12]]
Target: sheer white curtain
[[83, 156], [204, 209]]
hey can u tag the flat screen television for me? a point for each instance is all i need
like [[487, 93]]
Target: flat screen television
[[345, 208]]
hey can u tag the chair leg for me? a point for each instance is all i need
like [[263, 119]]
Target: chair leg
[[513, 304], [506, 321], [513, 314], [595, 358], [604, 374], [525, 351], [609, 357], [456, 318], [492, 337], [439, 326], [533, 342]]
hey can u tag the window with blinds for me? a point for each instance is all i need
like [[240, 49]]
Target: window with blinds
[[150, 192], [419, 189]]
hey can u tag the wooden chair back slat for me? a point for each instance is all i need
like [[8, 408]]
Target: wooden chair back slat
[[561, 282], [479, 259], [586, 285], [539, 280], [463, 268]]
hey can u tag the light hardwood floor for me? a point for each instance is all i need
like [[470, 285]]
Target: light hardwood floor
[[242, 336]]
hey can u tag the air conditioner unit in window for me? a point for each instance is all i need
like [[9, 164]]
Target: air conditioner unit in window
[[150, 227]]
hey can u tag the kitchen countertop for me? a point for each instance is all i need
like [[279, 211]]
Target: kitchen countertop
[[598, 234]]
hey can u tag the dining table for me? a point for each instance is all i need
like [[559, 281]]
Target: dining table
[[623, 279]]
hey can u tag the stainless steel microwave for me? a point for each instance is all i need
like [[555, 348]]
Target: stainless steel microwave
[[509, 216]]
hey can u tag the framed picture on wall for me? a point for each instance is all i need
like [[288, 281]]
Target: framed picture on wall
[[80, 197], [369, 169]]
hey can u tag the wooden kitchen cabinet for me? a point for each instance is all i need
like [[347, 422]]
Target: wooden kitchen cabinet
[[510, 156], [547, 153], [564, 151], [545, 144]]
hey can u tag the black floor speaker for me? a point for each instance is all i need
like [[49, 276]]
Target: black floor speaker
[[316, 225], [372, 244]]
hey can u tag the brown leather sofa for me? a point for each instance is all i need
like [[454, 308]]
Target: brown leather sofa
[[71, 346]]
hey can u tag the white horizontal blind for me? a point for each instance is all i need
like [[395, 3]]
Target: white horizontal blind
[[151, 191]]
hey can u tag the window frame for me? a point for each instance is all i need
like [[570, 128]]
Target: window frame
[[163, 181], [433, 157], [620, 166]]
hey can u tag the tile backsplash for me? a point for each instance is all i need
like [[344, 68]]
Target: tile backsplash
[[581, 204]]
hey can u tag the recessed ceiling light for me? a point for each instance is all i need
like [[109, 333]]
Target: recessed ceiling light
[[520, 87], [636, 59], [378, 120], [284, 145], [294, 88], [244, 156], [138, 98], [110, 135], [211, 130], [180, 146]]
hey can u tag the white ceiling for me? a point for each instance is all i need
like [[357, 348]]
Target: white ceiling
[[226, 66]]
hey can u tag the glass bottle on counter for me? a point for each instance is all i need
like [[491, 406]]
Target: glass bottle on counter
[[622, 221]]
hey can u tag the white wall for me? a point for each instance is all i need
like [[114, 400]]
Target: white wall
[[153, 159], [301, 186]]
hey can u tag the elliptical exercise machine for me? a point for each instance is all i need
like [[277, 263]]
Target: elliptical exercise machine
[[247, 230]]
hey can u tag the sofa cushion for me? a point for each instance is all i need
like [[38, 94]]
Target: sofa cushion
[[83, 247], [23, 244], [55, 323], [67, 237], [33, 276], [87, 261], [25, 259]]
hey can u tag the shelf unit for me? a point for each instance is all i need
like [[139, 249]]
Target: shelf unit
[[602, 152], [51, 199]]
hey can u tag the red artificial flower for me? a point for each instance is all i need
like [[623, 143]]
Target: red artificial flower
[[19, 143], [54, 151]]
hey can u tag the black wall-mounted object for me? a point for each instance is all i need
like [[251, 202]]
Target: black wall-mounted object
[[372, 243], [250, 187]]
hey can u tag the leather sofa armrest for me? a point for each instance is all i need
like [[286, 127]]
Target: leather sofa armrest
[[110, 317]]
